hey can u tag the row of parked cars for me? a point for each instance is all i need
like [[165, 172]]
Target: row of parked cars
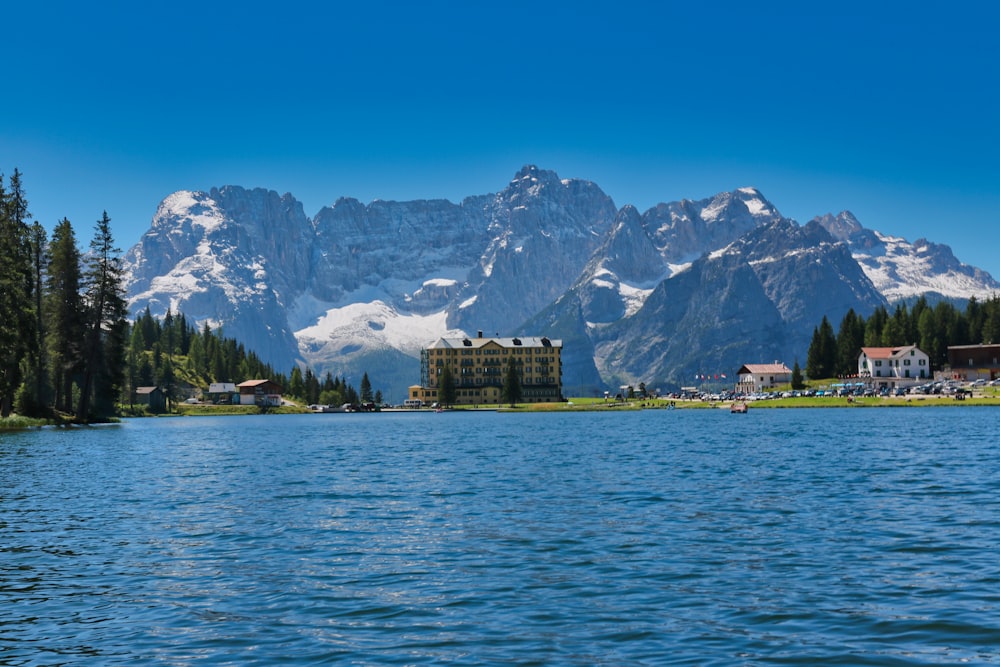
[[951, 387], [940, 387]]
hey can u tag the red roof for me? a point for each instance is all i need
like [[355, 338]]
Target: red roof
[[884, 352]]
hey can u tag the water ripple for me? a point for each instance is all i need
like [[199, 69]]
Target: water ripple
[[669, 537]]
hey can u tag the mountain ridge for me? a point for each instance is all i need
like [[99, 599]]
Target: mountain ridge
[[363, 287]]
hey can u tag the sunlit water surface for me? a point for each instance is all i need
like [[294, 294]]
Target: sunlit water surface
[[853, 537]]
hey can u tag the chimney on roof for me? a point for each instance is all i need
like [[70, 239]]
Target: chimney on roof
[[480, 334]]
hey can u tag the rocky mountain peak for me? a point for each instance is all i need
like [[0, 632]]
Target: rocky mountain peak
[[842, 226]]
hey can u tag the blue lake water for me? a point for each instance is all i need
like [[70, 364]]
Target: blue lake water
[[850, 536]]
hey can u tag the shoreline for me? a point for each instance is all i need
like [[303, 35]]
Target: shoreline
[[15, 423]]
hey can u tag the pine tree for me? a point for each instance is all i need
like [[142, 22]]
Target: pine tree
[[168, 338], [311, 384], [196, 354], [447, 388], [106, 325], [150, 329], [296, 383], [975, 318], [929, 340], [366, 389], [16, 316], [168, 381], [36, 395], [991, 322], [797, 380], [64, 312], [135, 356], [874, 326], [511, 390], [850, 340], [822, 356], [814, 364]]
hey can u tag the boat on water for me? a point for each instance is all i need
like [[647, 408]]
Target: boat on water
[[738, 408]]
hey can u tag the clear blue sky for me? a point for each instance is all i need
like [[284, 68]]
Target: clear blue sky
[[890, 110]]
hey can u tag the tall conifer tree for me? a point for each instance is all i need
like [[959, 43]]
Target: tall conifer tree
[[106, 309], [16, 316], [511, 391], [35, 396], [64, 312]]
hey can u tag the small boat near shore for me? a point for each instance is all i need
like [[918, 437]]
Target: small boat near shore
[[738, 408]]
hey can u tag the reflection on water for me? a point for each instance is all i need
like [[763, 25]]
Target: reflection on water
[[671, 537]]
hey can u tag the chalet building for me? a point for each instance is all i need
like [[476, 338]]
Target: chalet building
[[753, 378], [151, 397], [479, 365], [893, 366], [260, 392], [974, 362]]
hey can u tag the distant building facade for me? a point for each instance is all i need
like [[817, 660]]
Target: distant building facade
[[753, 378], [974, 362], [260, 392], [893, 366], [222, 392], [479, 365]]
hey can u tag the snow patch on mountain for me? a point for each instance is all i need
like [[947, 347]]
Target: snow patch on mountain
[[193, 208], [678, 268], [371, 326], [634, 297]]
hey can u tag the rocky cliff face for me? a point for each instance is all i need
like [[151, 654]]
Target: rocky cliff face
[[685, 287], [539, 227]]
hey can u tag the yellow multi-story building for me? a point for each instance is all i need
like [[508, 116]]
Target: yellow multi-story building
[[479, 365]]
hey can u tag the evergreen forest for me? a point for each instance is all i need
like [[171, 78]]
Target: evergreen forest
[[933, 329]]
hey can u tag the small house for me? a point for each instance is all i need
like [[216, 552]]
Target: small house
[[152, 397], [754, 378], [260, 392]]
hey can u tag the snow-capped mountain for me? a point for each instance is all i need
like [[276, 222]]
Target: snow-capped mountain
[[651, 296], [901, 270]]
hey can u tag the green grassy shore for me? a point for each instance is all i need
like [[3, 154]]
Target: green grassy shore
[[989, 396]]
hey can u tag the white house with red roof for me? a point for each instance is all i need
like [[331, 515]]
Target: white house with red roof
[[894, 366], [758, 377]]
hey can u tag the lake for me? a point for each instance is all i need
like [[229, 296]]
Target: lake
[[683, 537]]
